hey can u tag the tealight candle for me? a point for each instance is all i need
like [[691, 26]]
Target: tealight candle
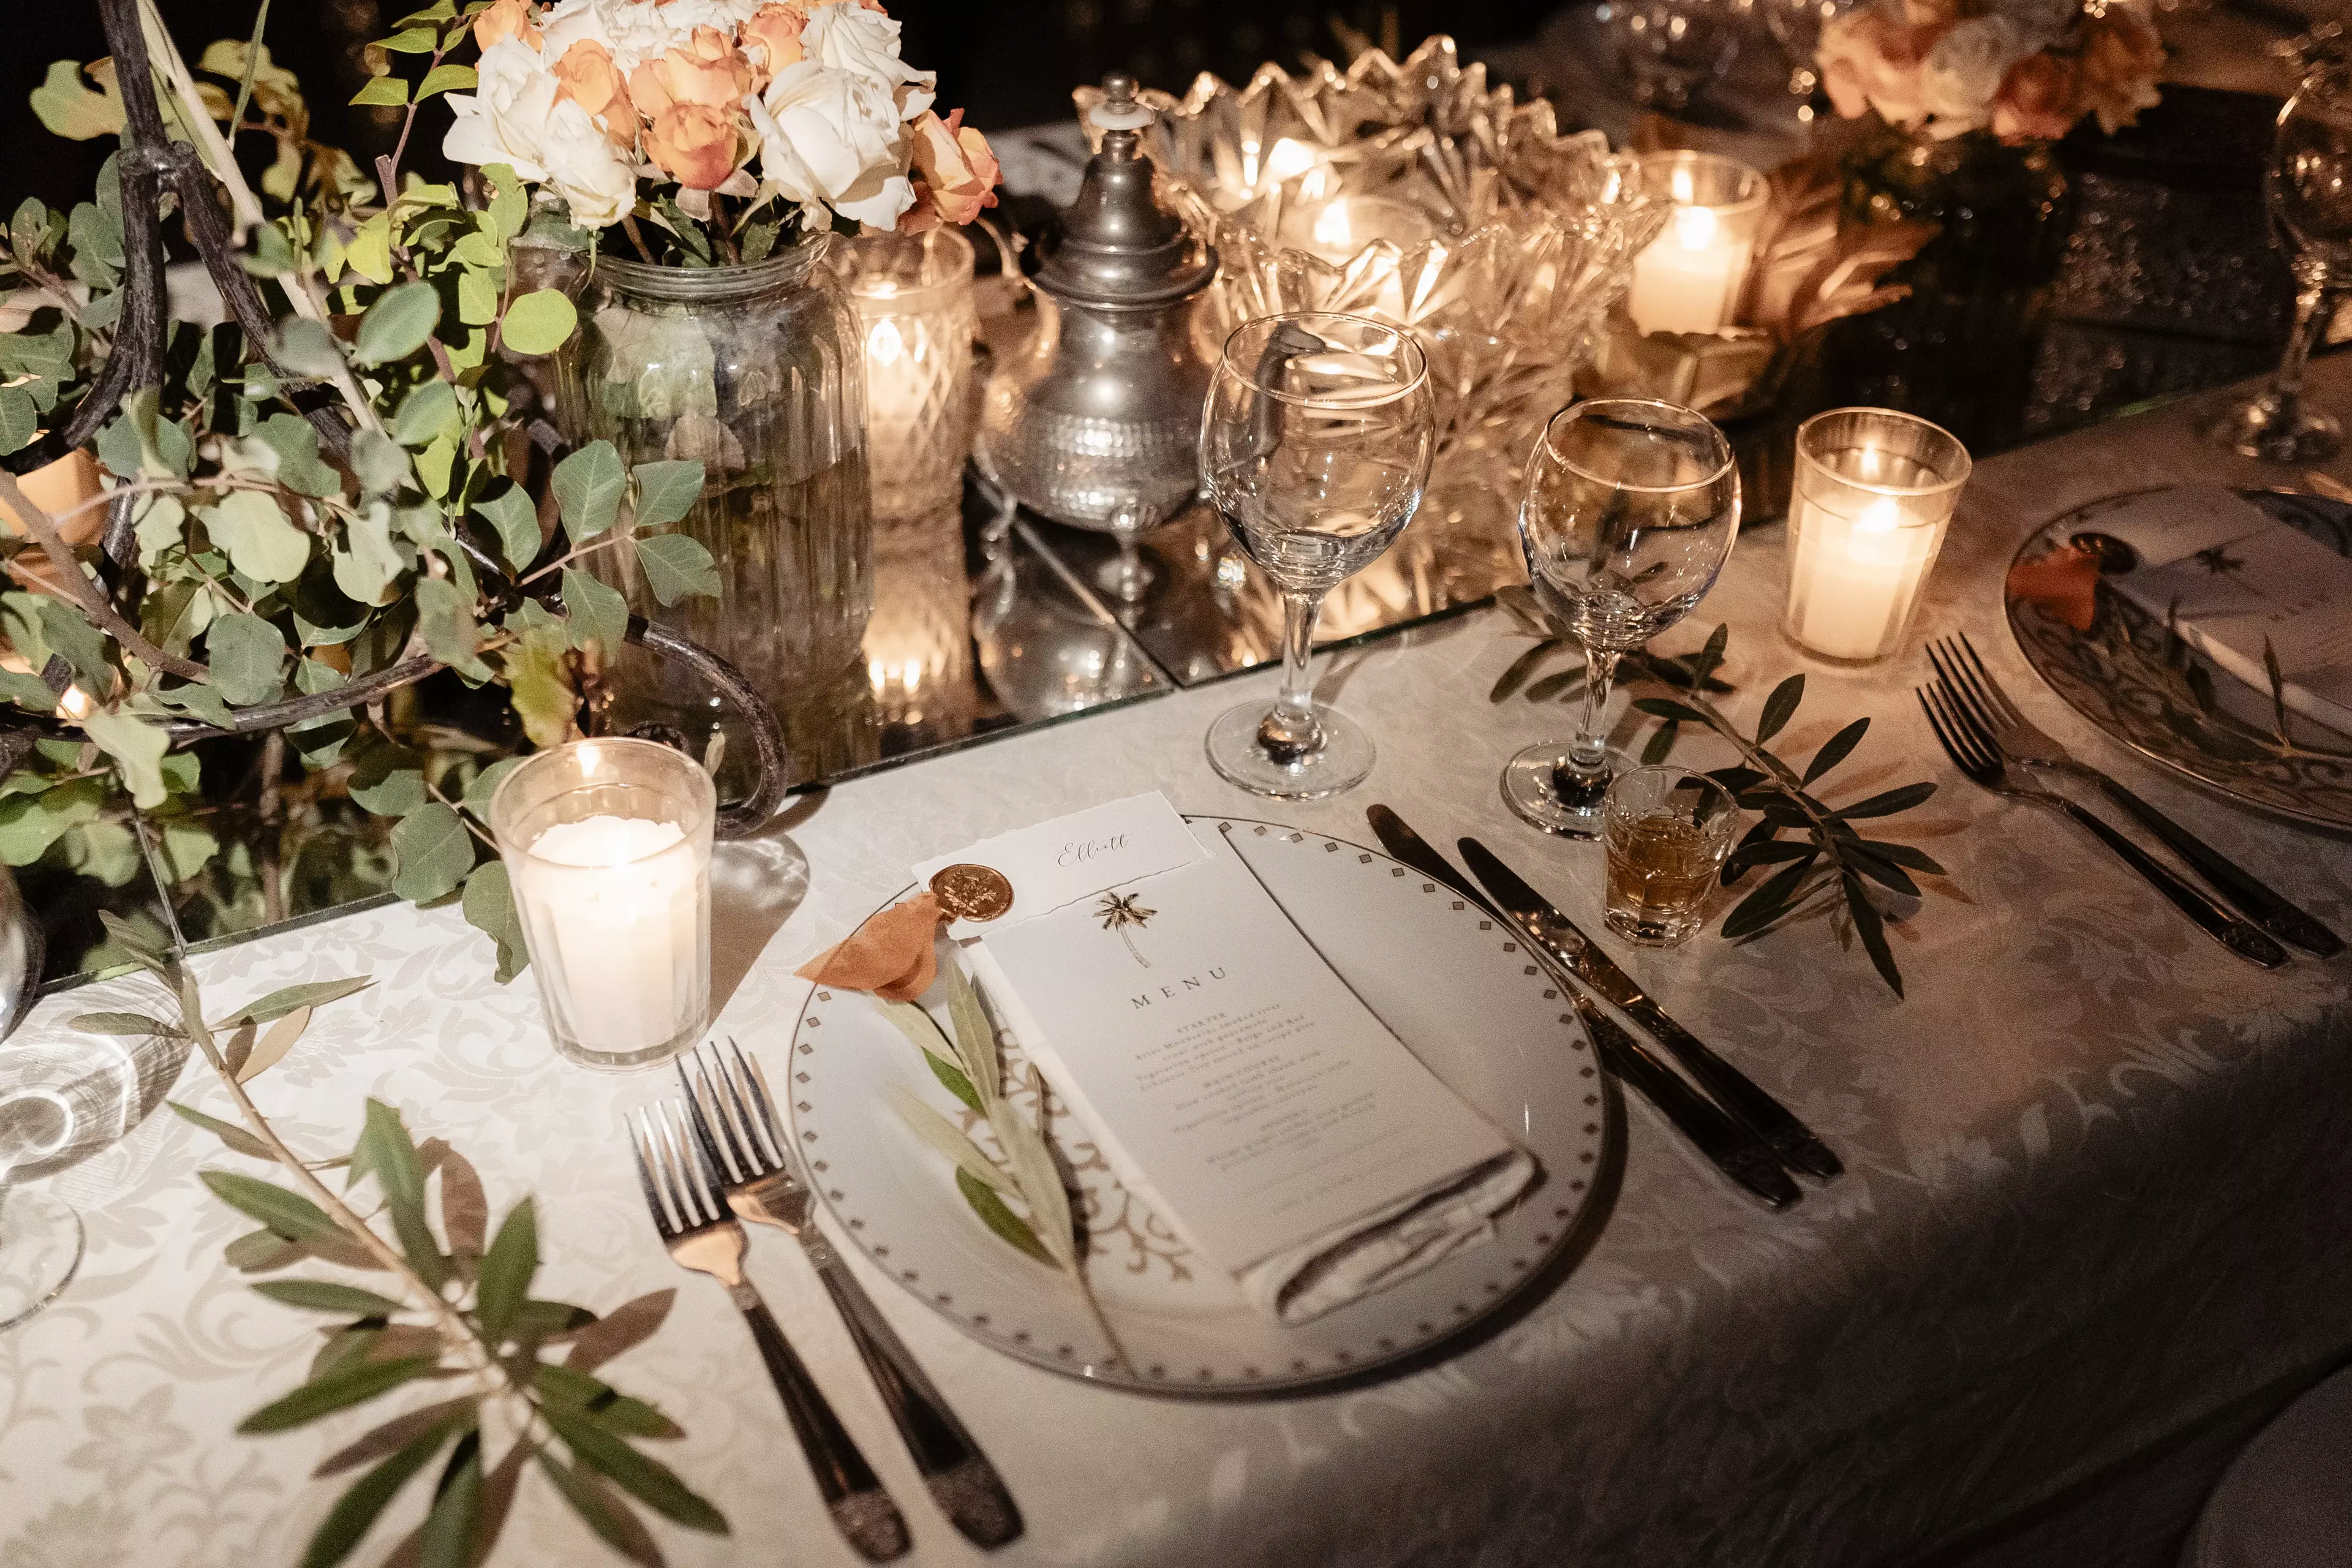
[[607, 849], [913, 295], [1690, 277], [1875, 490], [1336, 229]]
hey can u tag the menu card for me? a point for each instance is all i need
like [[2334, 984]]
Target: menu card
[[1230, 1076], [2239, 576]]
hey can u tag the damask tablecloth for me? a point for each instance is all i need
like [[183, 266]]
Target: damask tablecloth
[[2098, 1187]]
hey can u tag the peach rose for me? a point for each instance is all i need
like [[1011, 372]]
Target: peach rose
[[873, 5], [2122, 54], [775, 30], [593, 81], [957, 170], [507, 19], [709, 70], [2036, 100], [695, 143]]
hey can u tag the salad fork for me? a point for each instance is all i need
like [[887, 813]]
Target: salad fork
[[735, 1124], [2021, 742], [691, 1214], [1972, 752]]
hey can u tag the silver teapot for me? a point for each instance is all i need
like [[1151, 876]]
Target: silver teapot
[[1096, 423]]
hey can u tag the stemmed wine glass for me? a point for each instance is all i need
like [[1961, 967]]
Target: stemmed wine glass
[[62, 1100], [1314, 445], [2308, 191], [1631, 509]]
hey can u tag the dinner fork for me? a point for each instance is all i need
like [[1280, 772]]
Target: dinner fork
[[735, 1123], [2021, 742], [691, 1214], [1973, 752]]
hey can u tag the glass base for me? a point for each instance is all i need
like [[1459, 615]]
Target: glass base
[[2280, 430], [1127, 577], [1341, 762], [653, 1055], [1655, 930], [1542, 787], [40, 1247]]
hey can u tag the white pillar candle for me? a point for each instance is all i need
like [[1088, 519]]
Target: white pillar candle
[[1690, 277], [618, 904], [1852, 582]]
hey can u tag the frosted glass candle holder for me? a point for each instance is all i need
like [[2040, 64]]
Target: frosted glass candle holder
[[607, 847], [1875, 490], [1690, 277], [914, 302]]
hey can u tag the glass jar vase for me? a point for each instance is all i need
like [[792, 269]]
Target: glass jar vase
[[755, 370]]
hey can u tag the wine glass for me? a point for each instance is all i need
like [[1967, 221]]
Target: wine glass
[[1314, 445], [63, 1098], [2308, 190], [1631, 509]]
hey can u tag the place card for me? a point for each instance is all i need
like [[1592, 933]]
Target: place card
[[1228, 1074], [2234, 576]]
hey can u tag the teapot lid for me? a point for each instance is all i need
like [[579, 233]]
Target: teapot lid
[[1116, 244]]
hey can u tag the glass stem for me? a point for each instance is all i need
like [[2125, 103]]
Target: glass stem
[[2312, 299], [1591, 749], [1290, 732]]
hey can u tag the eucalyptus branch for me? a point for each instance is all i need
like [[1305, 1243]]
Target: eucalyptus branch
[[76, 587]]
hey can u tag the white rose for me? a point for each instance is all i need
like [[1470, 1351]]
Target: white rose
[[501, 121], [1962, 72], [586, 170], [631, 31], [852, 38], [832, 137]]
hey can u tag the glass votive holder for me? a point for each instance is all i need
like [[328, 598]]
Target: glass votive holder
[[914, 301], [1875, 490], [1667, 832], [1690, 277], [607, 848]]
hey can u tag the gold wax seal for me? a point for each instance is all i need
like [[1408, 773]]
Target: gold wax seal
[[971, 892]]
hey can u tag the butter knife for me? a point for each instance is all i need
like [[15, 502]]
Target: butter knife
[[1729, 1147], [1791, 1140]]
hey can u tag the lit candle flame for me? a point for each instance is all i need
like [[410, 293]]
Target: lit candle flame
[[883, 345], [1695, 227]]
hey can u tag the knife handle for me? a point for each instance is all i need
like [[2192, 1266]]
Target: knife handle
[[1729, 1147], [1791, 1140]]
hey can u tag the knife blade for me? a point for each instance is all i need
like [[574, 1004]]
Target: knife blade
[[1791, 1140], [1729, 1147]]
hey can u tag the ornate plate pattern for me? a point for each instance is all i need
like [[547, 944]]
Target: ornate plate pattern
[[1456, 986], [2122, 693]]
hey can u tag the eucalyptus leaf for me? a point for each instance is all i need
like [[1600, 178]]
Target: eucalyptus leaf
[[538, 671], [261, 543], [388, 780], [426, 415], [511, 515], [588, 486], [377, 459], [247, 657], [137, 748], [489, 907], [432, 851], [666, 492], [444, 617], [397, 324], [294, 442], [676, 567], [306, 348], [540, 323], [597, 614]]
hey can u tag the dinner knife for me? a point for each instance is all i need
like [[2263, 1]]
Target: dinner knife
[[1729, 1147], [1787, 1138]]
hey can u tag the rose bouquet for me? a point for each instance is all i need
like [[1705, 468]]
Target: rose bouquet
[[2027, 70], [712, 130]]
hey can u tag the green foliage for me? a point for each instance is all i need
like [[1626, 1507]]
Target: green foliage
[[438, 1308]]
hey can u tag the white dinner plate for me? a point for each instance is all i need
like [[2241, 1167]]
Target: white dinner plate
[[1456, 988]]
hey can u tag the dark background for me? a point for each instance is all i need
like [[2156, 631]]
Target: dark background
[[1005, 64]]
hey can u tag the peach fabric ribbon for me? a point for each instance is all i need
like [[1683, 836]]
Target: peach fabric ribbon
[[893, 954], [2066, 583]]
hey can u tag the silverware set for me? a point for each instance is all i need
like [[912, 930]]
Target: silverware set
[[1727, 1116], [1992, 742], [717, 1156]]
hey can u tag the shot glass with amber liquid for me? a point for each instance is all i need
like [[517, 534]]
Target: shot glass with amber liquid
[[1668, 832]]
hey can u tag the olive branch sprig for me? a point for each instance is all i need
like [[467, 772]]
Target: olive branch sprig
[[451, 1308]]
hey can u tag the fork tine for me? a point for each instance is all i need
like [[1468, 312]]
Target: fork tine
[[1956, 688], [735, 1115], [755, 1082], [730, 1163], [1994, 688], [1980, 704], [709, 1188], [663, 1227], [684, 1185], [1955, 744]]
